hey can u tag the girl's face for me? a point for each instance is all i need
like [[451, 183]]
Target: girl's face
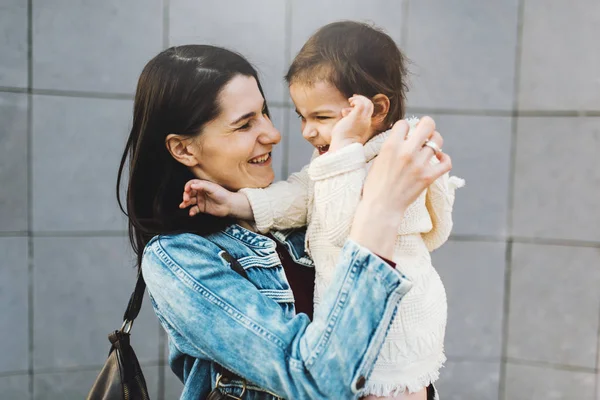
[[234, 149], [319, 106]]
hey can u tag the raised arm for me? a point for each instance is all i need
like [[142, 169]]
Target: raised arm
[[283, 205]]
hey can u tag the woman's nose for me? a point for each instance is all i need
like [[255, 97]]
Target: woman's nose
[[270, 134]]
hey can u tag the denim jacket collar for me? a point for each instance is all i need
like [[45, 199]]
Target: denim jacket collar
[[249, 238], [292, 241]]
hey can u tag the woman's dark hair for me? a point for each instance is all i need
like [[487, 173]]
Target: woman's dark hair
[[356, 58], [177, 93]]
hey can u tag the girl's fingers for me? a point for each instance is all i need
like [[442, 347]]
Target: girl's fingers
[[188, 184], [193, 200], [194, 210]]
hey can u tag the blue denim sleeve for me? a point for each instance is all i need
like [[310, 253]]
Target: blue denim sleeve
[[220, 316]]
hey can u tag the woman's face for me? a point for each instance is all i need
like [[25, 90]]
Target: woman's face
[[234, 149]]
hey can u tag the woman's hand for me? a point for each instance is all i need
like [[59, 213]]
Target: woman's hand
[[355, 125], [399, 174], [209, 198]]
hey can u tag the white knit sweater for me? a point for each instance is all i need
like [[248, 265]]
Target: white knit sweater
[[324, 195]]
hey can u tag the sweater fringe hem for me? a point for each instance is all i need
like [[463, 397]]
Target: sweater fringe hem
[[393, 389]]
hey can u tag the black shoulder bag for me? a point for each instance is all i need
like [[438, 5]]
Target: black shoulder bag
[[121, 378]]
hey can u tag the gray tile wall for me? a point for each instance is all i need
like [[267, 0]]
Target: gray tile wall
[[514, 86]]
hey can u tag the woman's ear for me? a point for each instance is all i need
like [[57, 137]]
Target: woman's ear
[[381, 109], [182, 149]]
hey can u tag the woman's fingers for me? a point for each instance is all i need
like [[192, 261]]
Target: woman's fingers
[[399, 132], [445, 165], [424, 131], [433, 145], [437, 139]]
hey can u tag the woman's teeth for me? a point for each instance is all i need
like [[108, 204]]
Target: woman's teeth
[[261, 159]]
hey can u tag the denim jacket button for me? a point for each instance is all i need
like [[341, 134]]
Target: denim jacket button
[[360, 383]]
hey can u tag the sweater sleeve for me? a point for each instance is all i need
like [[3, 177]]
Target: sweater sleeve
[[439, 202], [338, 178], [283, 205]]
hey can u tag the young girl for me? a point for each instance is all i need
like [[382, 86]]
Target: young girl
[[348, 86]]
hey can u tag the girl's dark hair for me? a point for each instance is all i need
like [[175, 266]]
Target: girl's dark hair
[[177, 93], [356, 58]]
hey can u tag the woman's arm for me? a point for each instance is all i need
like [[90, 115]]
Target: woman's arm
[[218, 315]]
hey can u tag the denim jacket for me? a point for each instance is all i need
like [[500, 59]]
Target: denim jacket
[[214, 316]]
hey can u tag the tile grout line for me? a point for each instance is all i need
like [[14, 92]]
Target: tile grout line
[[84, 368], [8, 374], [166, 23], [287, 55], [14, 234], [404, 21], [511, 187], [524, 240], [451, 358], [505, 318], [530, 363], [30, 249], [161, 361], [454, 237], [78, 234], [70, 93], [533, 113], [550, 365], [597, 369], [161, 335]]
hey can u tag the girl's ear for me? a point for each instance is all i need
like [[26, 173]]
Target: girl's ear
[[381, 108]]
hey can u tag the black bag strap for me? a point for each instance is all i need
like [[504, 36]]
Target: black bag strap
[[135, 301], [235, 264]]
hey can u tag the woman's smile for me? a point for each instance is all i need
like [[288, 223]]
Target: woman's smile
[[262, 160]]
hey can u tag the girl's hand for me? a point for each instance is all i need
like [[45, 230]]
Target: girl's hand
[[210, 198], [355, 125]]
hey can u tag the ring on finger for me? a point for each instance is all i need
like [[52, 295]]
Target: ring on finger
[[433, 146]]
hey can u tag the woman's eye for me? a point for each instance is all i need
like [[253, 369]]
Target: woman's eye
[[322, 117], [247, 125], [300, 116]]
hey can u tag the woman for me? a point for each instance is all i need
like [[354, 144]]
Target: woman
[[199, 112]]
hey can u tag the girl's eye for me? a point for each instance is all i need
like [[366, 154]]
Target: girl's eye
[[300, 116], [322, 117]]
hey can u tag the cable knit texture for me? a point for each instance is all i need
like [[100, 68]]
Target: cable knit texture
[[324, 195]]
